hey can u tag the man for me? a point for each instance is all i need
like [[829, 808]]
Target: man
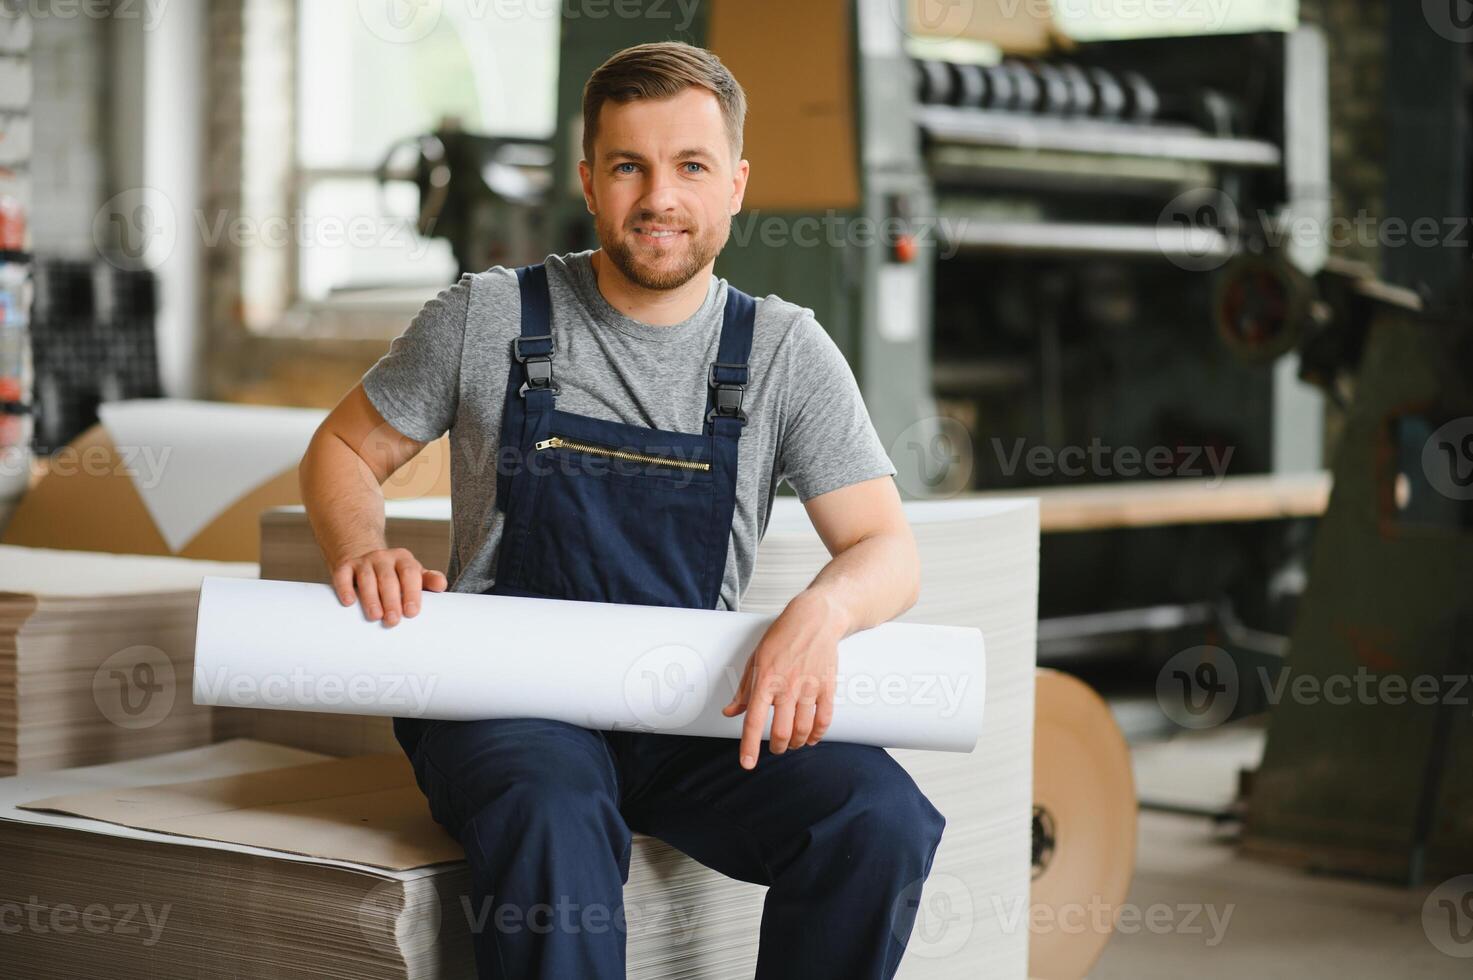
[[636, 353]]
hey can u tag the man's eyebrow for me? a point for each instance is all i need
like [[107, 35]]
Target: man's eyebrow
[[686, 154]]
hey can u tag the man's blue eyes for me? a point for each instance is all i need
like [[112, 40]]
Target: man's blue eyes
[[691, 163]]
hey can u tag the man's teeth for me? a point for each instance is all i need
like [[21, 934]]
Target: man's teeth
[[661, 234]]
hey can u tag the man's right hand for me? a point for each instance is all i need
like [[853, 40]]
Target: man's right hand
[[387, 581]]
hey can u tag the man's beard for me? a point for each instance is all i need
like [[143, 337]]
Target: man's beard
[[648, 270]]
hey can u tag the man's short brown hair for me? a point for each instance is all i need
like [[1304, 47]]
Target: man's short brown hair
[[662, 70]]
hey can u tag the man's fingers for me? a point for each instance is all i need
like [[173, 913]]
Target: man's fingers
[[802, 723], [388, 590], [368, 591], [823, 717], [436, 581], [782, 726], [756, 720], [411, 575], [342, 584], [742, 695]]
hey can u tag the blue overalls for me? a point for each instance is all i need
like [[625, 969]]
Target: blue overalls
[[839, 832]]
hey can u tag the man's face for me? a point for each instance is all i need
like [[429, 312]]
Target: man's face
[[663, 186]]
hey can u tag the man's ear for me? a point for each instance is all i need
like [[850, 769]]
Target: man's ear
[[739, 186], [585, 177]]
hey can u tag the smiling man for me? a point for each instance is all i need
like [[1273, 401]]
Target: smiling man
[[620, 420]]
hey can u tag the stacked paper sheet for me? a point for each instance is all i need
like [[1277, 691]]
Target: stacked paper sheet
[[96, 656], [101, 899], [979, 567]]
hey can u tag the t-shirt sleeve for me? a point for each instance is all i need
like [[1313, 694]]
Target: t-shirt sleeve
[[416, 385], [828, 441]]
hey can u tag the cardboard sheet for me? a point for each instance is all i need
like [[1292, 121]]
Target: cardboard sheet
[[366, 809]]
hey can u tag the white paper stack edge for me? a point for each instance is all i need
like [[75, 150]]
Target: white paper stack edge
[[97, 655], [979, 567]]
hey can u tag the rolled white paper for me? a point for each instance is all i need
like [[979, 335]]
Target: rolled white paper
[[608, 666]]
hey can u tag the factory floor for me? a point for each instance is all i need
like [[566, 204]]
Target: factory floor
[[1217, 914]]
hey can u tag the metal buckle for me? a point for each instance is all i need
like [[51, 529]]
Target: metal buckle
[[728, 395]]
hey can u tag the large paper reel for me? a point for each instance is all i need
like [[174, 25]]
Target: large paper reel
[[1084, 827]]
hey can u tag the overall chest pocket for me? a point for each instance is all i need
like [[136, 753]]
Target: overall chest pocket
[[613, 523]]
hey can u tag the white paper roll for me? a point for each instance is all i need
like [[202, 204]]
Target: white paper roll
[[292, 645]]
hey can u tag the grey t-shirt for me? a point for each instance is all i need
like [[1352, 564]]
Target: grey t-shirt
[[807, 423]]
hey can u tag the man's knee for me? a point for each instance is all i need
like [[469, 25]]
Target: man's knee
[[898, 819]]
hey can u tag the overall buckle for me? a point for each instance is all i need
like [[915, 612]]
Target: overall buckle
[[538, 366], [728, 395]]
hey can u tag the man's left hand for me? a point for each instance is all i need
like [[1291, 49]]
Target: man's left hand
[[791, 673]]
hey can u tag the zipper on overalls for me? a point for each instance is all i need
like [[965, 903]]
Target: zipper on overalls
[[558, 442]]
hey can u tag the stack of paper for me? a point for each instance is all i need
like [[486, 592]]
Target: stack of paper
[[265, 861], [97, 656], [979, 567], [96, 897]]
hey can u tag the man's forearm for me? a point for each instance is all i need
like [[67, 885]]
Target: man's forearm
[[871, 582], [344, 502]]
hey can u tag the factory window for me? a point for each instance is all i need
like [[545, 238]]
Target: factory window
[[368, 76]]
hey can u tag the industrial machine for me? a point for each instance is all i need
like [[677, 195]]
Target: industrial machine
[[484, 194]]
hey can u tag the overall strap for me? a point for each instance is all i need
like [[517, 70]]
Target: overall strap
[[533, 349], [726, 380]]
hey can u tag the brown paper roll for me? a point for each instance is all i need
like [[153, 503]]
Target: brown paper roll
[[1084, 827]]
